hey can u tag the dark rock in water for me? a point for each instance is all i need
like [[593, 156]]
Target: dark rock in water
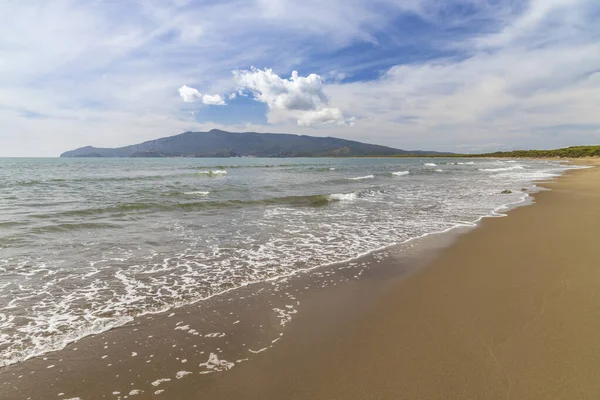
[[523, 190], [506, 191], [218, 143]]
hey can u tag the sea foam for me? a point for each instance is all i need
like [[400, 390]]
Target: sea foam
[[216, 172], [502, 169], [360, 178], [343, 196], [199, 193], [400, 173]]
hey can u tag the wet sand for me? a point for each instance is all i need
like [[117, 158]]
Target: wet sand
[[504, 311], [189, 351]]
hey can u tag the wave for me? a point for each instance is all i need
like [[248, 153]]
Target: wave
[[298, 201], [466, 163], [29, 183], [430, 165], [11, 223], [343, 196], [92, 179], [502, 169], [199, 193], [360, 178], [216, 172], [400, 173], [235, 166], [321, 168], [528, 176], [439, 170], [67, 227]]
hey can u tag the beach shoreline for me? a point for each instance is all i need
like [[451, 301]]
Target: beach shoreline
[[506, 312], [354, 338]]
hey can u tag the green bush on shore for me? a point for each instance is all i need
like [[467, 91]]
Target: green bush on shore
[[568, 152]]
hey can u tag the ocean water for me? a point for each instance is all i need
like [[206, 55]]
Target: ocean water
[[90, 244]]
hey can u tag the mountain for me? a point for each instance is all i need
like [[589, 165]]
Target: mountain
[[217, 143]]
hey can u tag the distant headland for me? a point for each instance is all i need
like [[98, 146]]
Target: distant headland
[[218, 143]]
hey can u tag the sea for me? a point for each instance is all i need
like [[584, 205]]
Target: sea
[[90, 244]]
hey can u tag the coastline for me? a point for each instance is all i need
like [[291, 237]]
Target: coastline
[[506, 312], [322, 352]]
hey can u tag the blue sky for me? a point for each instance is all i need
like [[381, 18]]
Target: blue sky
[[454, 75]]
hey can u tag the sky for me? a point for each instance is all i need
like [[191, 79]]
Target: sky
[[448, 75]]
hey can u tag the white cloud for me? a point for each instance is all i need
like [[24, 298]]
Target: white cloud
[[322, 116], [300, 97], [214, 100], [189, 94]]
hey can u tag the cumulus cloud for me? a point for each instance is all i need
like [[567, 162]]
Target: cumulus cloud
[[213, 100], [190, 95], [300, 97], [323, 116]]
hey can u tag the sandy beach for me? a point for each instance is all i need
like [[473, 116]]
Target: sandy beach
[[507, 312], [504, 311]]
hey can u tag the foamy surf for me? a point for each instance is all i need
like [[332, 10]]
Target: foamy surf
[[197, 193], [217, 172], [502, 169], [360, 178], [343, 196], [400, 173]]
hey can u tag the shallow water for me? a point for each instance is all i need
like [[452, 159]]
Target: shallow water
[[89, 244]]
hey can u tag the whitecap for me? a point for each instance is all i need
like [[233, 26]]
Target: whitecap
[[502, 169], [213, 172], [199, 193], [360, 178], [343, 196], [430, 164], [400, 173]]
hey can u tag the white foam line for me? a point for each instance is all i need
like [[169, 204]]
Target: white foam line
[[360, 178], [258, 351], [400, 173], [199, 193]]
